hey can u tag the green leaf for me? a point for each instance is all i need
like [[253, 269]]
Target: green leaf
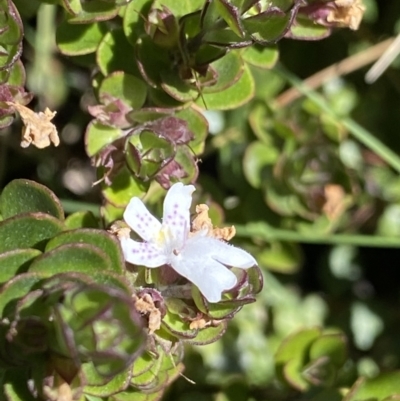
[[182, 7], [83, 258], [15, 75], [282, 257], [148, 378], [236, 95], [176, 87], [292, 354], [261, 56], [28, 231], [151, 60], [83, 219], [104, 386], [76, 40], [98, 135], [306, 29], [231, 16], [229, 69], [257, 156], [16, 262], [115, 53], [74, 7], [331, 345], [174, 325], [209, 335], [24, 196], [198, 125], [12, 32], [378, 388], [143, 364], [125, 87], [99, 238], [269, 26], [123, 188], [93, 11], [133, 22], [16, 288]]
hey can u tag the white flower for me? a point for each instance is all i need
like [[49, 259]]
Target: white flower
[[196, 256]]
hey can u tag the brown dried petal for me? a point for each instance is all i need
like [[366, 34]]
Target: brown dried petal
[[203, 222], [145, 306], [347, 13], [38, 129], [335, 201]]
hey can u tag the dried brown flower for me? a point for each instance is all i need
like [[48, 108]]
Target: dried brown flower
[[38, 128], [347, 13]]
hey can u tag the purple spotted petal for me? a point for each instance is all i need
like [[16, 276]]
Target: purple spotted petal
[[142, 253], [140, 220], [176, 211]]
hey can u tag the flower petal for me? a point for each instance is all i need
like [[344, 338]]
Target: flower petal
[[224, 253], [211, 277], [176, 210], [140, 220], [142, 253]]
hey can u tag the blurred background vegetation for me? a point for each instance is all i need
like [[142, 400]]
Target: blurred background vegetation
[[328, 204]]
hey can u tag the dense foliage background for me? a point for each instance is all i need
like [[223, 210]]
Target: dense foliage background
[[312, 197]]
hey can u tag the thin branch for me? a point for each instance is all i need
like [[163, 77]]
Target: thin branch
[[344, 67]]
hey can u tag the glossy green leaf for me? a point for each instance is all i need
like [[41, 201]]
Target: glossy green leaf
[[115, 53], [28, 231], [151, 61], [93, 11], [133, 22], [176, 87], [16, 262], [125, 87], [236, 95], [98, 136], [123, 188], [99, 238], [229, 69], [83, 258], [267, 27], [25, 196], [76, 40], [231, 16]]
